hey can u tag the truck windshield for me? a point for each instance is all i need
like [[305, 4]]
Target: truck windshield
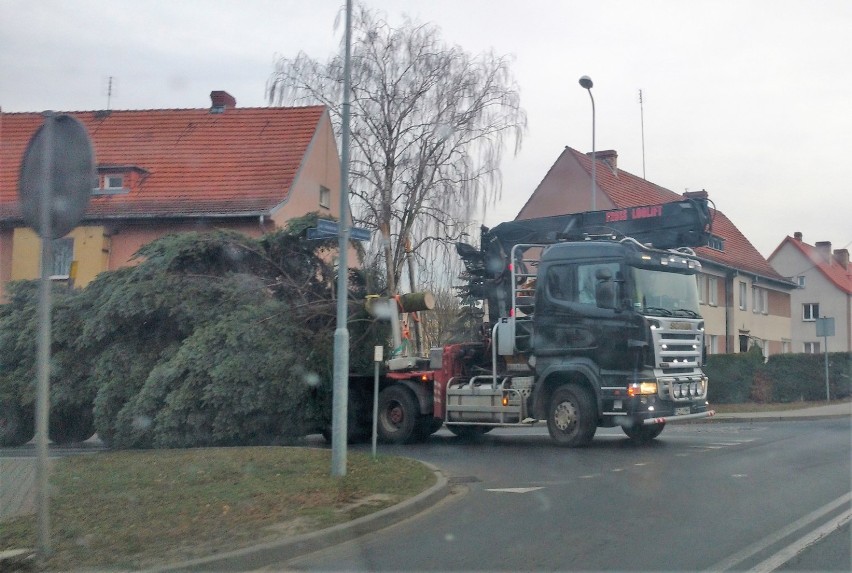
[[660, 293]]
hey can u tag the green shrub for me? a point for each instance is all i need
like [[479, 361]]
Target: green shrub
[[796, 377], [731, 376]]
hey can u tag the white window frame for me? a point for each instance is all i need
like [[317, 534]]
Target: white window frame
[[63, 257], [743, 296], [324, 197], [811, 348], [712, 290], [759, 304], [801, 281], [702, 288], [109, 179], [810, 311]]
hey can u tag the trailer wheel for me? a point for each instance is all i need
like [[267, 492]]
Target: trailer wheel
[[399, 415], [642, 434], [17, 424], [571, 418], [71, 426]]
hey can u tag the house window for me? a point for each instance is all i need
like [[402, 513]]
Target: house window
[[713, 344], [324, 197], [113, 182], [702, 288], [810, 311], [800, 280], [811, 348], [712, 289], [743, 294], [758, 300], [785, 347], [743, 342], [63, 254], [716, 243]]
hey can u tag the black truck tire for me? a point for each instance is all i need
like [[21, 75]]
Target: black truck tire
[[642, 434], [469, 432], [17, 424], [571, 416], [399, 415], [70, 426], [359, 423]]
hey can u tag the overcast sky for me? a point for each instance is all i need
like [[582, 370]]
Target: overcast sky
[[749, 100]]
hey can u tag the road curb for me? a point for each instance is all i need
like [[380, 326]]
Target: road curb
[[264, 554], [747, 419]]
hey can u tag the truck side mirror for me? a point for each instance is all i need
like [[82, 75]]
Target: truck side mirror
[[604, 289]]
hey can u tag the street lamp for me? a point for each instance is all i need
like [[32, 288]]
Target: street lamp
[[587, 84]]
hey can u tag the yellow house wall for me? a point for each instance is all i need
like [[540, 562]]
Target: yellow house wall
[[91, 253]]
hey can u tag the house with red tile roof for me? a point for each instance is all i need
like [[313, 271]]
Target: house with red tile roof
[[824, 280], [162, 171], [745, 301]]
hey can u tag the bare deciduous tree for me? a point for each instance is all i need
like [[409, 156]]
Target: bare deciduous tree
[[428, 126]]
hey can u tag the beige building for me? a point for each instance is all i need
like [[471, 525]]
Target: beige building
[[745, 302], [824, 280], [163, 171]]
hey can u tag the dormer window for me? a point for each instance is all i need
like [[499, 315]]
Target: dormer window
[[113, 182], [114, 179]]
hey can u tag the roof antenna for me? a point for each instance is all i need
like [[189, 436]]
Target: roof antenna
[[109, 92], [642, 117]]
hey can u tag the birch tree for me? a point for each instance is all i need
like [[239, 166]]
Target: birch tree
[[429, 123]]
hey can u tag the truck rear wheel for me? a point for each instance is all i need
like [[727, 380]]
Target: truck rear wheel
[[17, 424], [571, 417], [399, 415], [642, 434]]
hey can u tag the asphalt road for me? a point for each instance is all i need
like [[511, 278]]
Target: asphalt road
[[702, 497]]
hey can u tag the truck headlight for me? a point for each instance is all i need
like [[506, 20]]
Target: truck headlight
[[642, 388]]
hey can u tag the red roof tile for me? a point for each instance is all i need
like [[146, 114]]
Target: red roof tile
[[627, 190], [239, 162], [831, 269]]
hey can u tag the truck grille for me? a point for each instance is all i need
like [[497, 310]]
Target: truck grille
[[677, 348]]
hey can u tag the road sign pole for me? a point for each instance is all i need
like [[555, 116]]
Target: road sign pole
[[44, 337], [827, 393], [340, 391]]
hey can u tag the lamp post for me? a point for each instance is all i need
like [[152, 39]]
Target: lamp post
[[587, 84]]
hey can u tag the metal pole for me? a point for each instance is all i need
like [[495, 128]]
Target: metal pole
[[44, 337], [587, 84], [827, 394], [378, 352], [340, 396], [594, 162]]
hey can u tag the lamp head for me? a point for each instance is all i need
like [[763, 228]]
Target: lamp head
[[586, 82]]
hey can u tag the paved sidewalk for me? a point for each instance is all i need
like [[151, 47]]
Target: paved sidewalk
[[836, 410]]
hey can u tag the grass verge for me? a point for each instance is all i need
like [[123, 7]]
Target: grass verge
[[138, 509]]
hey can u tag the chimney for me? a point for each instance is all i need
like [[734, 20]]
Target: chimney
[[220, 101], [842, 258], [824, 249], [798, 236], [696, 194], [608, 156]]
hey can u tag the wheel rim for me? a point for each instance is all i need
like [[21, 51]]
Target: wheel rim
[[395, 415], [565, 416]]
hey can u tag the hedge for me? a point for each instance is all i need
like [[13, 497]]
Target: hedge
[[737, 378]]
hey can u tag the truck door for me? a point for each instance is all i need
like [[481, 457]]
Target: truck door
[[573, 317]]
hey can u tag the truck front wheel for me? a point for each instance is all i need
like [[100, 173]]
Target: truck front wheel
[[399, 415], [571, 418], [643, 434]]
